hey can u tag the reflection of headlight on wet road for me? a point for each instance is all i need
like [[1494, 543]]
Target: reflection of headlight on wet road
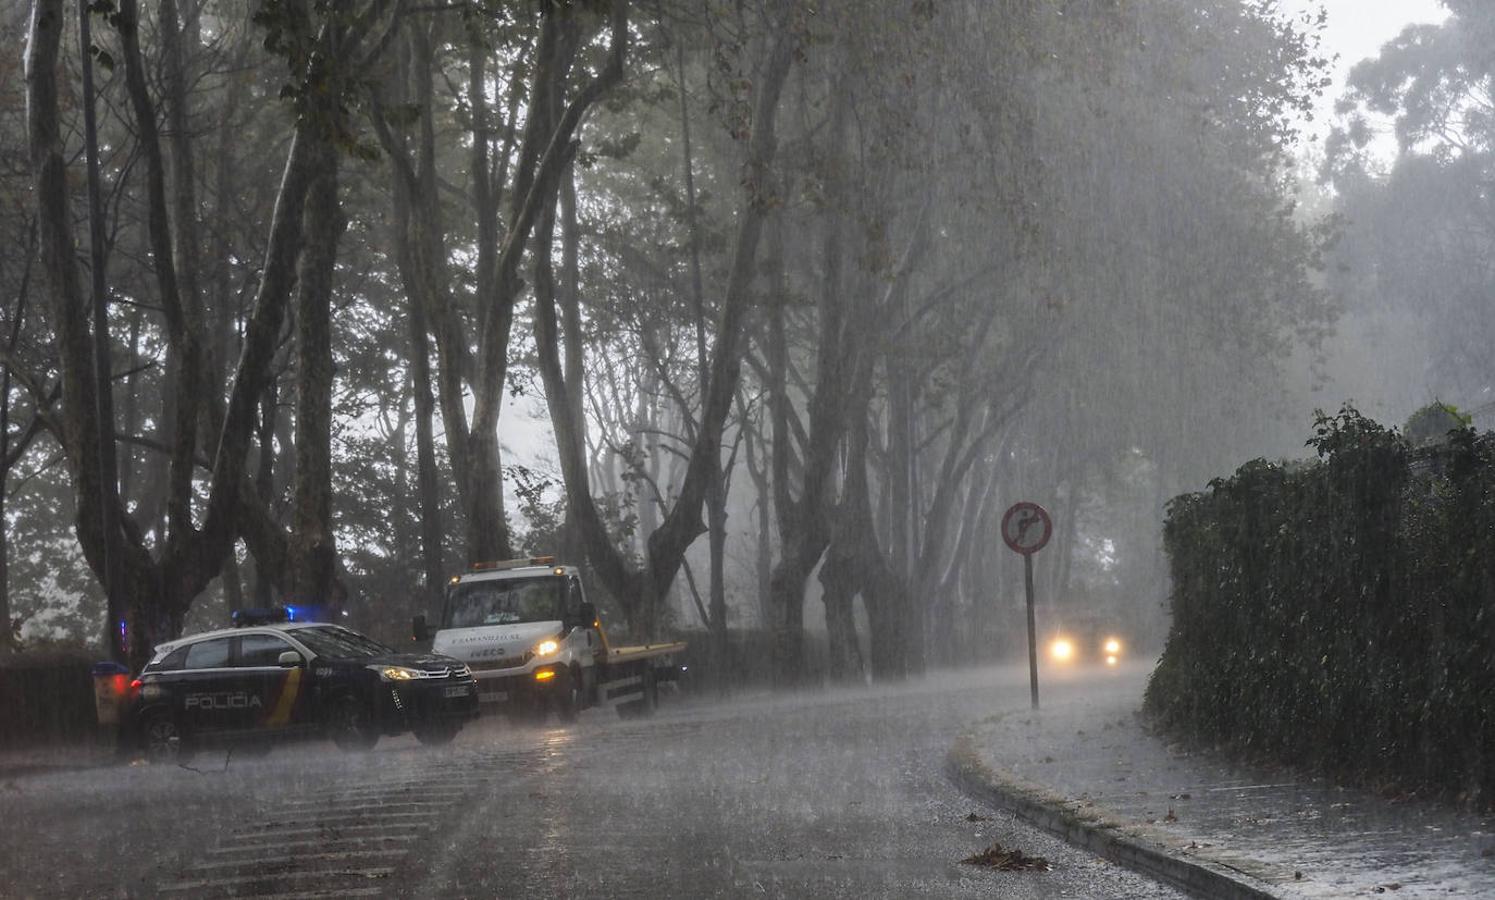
[[1062, 650]]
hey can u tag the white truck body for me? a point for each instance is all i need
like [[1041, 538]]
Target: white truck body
[[532, 641]]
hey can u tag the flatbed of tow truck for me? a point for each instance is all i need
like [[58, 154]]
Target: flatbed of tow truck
[[645, 651]]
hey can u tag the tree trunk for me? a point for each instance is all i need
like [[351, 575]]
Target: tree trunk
[[428, 494], [17, 316], [840, 581], [884, 592], [313, 547], [267, 577], [419, 246], [764, 550], [233, 584], [571, 544], [104, 457]]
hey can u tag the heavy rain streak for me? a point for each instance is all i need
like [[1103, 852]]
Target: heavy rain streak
[[735, 448]]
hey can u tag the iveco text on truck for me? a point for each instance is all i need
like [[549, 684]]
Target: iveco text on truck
[[525, 629]]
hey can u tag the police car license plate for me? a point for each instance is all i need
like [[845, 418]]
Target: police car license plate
[[457, 690]]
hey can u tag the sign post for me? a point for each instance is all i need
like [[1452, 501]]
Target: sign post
[[1026, 528]]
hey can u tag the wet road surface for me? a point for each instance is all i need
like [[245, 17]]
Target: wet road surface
[[835, 794]]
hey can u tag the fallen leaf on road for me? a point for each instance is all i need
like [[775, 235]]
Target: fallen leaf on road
[[1171, 817], [1178, 796], [998, 857], [975, 818]]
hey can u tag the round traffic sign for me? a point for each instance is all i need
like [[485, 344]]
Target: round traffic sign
[[1026, 527]]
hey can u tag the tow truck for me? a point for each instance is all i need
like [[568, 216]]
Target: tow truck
[[536, 645]]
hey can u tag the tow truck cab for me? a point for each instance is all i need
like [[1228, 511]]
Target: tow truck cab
[[533, 641]]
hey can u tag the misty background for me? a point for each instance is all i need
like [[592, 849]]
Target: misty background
[[832, 286]]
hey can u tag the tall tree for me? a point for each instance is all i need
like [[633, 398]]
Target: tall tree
[[640, 590]]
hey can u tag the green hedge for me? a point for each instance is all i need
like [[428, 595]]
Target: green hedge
[[1340, 614]]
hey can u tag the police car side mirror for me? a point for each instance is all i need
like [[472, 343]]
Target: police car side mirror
[[290, 659], [418, 629]]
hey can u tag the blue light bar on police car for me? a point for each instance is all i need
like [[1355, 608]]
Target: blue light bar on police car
[[243, 618]]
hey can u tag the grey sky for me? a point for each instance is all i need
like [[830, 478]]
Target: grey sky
[[1356, 30]]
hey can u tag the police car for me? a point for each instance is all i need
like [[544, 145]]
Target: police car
[[269, 678]]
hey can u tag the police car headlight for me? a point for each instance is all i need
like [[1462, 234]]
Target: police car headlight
[[547, 647], [396, 673]]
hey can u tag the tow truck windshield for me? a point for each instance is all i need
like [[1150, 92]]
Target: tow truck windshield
[[340, 643], [503, 602]]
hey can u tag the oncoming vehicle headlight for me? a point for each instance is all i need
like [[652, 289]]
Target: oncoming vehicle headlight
[[1112, 647], [547, 647], [396, 673], [1061, 650]]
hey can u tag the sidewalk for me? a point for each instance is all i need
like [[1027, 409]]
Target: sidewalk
[[1085, 766]]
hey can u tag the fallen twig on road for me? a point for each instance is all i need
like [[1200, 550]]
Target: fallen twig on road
[[998, 857]]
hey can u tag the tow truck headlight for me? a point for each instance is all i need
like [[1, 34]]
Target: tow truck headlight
[[1062, 650], [547, 647], [396, 673]]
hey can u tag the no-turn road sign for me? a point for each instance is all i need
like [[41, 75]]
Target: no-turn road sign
[[1026, 527]]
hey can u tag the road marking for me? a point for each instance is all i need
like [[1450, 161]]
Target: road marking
[[392, 807], [299, 858], [273, 834], [1252, 787], [381, 872], [317, 894], [286, 845], [444, 793], [333, 840], [327, 820]]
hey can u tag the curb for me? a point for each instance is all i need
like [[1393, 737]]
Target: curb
[[1093, 832]]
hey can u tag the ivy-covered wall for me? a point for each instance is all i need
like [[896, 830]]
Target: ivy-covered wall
[[1340, 614]]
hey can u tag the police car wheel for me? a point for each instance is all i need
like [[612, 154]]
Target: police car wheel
[[163, 741], [437, 733], [350, 726]]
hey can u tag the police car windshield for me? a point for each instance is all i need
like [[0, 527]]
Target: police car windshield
[[504, 602], [340, 643]]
